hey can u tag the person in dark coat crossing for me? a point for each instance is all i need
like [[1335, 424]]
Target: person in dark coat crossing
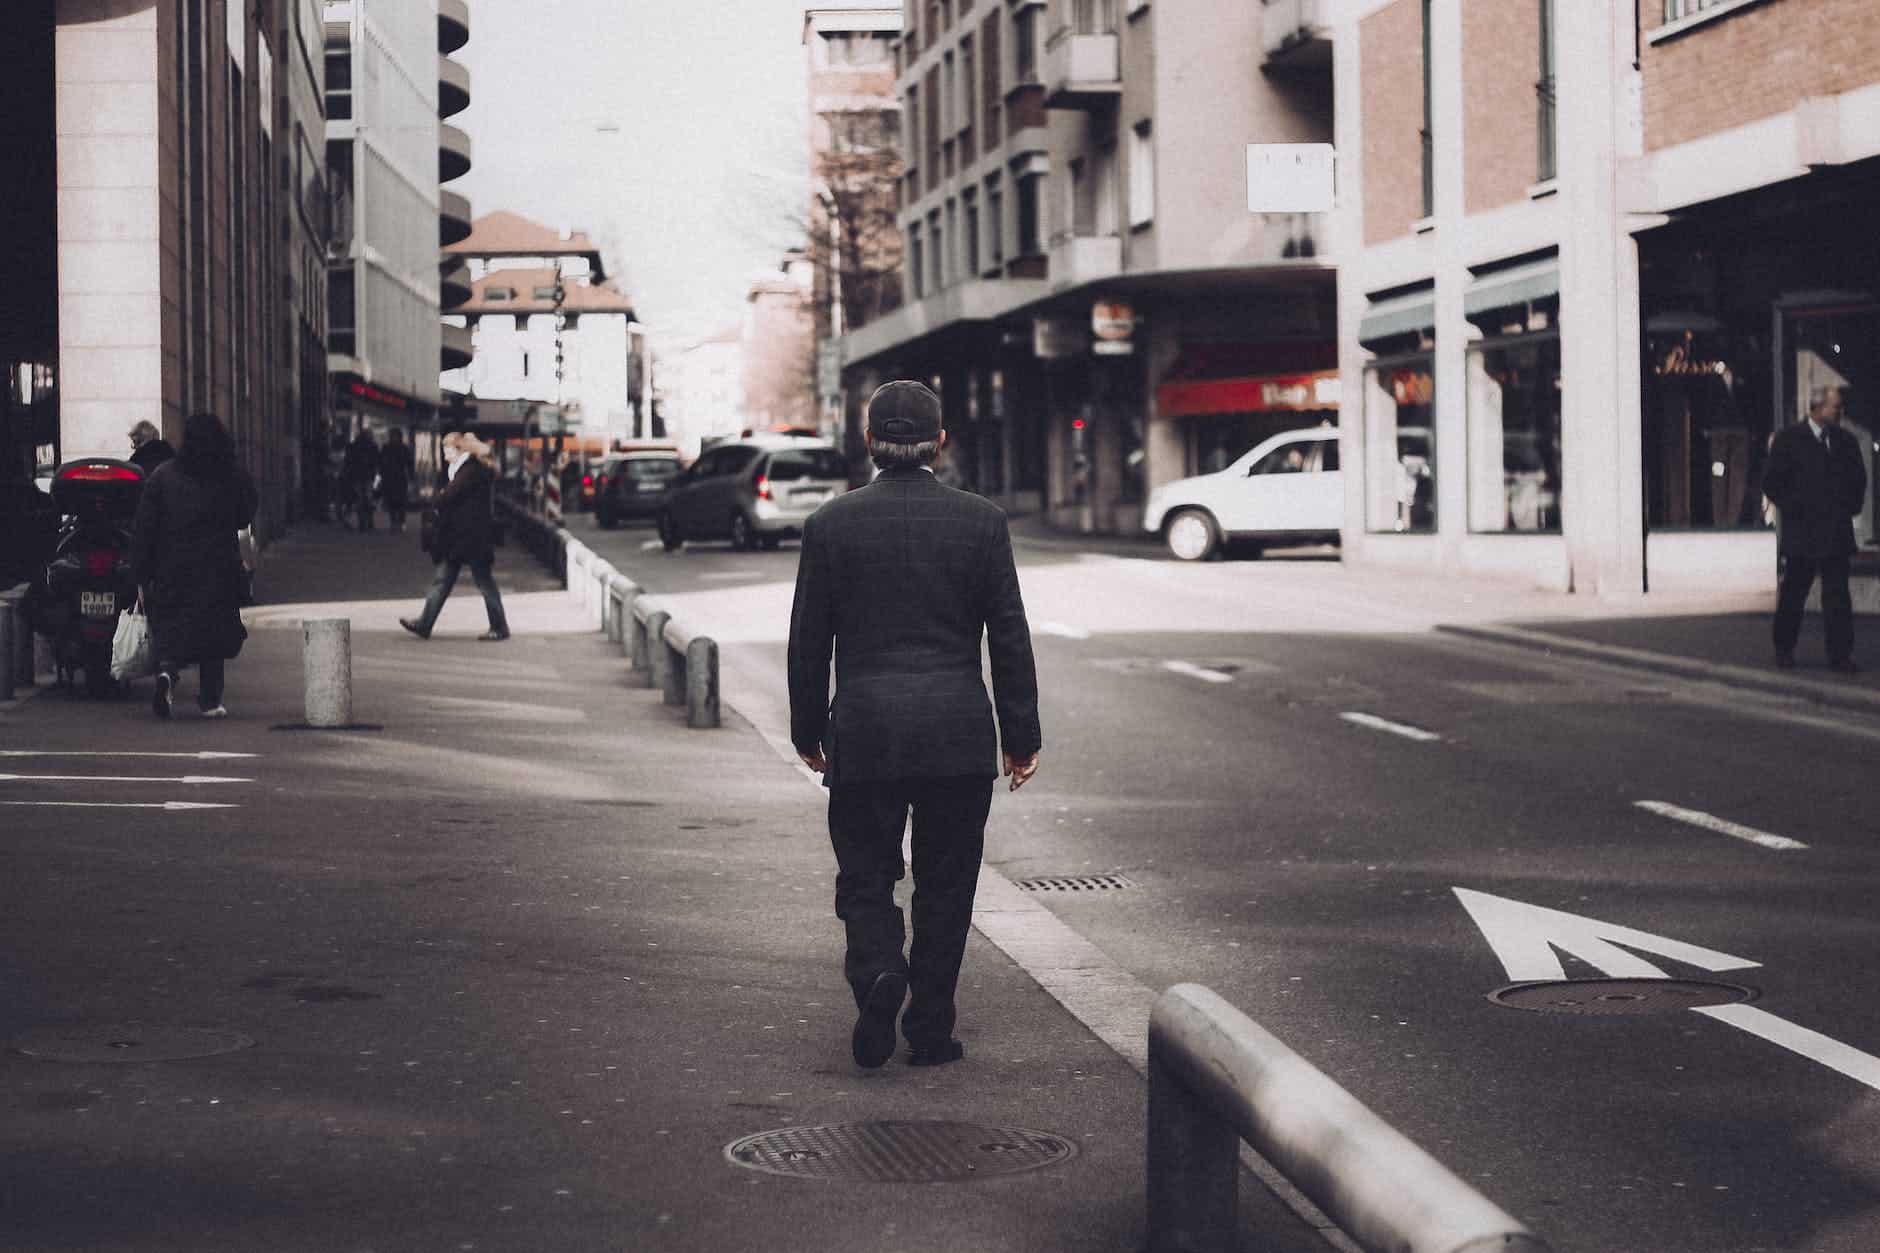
[[148, 447], [186, 561], [1817, 477], [396, 466], [465, 536], [901, 579]]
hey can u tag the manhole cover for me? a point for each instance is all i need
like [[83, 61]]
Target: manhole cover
[[1077, 883], [127, 1042], [1619, 996], [899, 1152]]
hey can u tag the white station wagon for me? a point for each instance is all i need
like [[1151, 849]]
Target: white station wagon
[[1286, 490]]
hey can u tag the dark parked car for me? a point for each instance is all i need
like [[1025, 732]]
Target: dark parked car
[[632, 484], [752, 491]]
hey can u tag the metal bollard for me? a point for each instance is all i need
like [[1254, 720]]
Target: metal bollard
[[10, 622], [701, 682], [658, 656], [676, 659], [327, 663]]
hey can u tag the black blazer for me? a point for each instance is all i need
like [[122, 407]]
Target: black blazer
[[1818, 490], [902, 578], [466, 527]]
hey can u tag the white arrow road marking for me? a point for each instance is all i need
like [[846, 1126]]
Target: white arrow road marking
[[57, 752], [1395, 728], [1524, 938], [116, 778], [1722, 826], [122, 804], [1193, 671], [1064, 629]]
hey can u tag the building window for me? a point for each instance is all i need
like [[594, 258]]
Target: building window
[[1544, 95], [995, 220], [494, 294], [1028, 194], [1400, 444], [1074, 215], [953, 238], [1094, 17], [917, 275], [1025, 46], [936, 251], [969, 201], [993, 106], [1141, 174], [339, 85], [949, 96], [1676, 9], [1103, 189], [1429, 148], [1514, 432]]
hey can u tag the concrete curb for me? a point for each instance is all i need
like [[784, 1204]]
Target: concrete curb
[[1793, 687]]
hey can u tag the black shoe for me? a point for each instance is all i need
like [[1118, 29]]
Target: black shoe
[[414, 628], [1844, 665], [1785, 661], [872, 1042], [935, 1054], [493, 637], [166, 687]]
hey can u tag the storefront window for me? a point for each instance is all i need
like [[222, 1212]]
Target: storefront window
[[1839, 348], [1705, 438], [1514, 434], [1400, 444]]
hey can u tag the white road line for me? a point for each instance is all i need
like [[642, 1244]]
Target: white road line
[[1193, 671], [1856, 1065], [1064, 629], [1395, 728], [1722, 826], [58, 752], [117, 778], [121, 804], [648, 545]]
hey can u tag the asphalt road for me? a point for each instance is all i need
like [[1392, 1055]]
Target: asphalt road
[[1312, 867]]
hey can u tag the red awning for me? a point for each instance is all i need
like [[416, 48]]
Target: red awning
[[1249, 378]]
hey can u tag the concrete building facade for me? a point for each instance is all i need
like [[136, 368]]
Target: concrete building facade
[[778, 348], [1593, 257]]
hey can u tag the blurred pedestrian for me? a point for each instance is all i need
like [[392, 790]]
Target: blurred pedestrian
[[148, 447], [1817, 478], [463, 536], [901, 579], [362, 471], [187, 564], [396, 467]]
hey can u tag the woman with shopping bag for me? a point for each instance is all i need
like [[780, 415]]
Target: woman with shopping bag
[[186, 560]]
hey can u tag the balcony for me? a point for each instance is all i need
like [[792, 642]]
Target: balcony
[[1298, 36], [453, 153], [1079, 259], [453, 87], [453, 217], [454, 351], [1081, 71], [453, 283], [453, 24]]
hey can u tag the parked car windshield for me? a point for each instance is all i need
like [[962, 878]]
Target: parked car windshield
[[808, 463]]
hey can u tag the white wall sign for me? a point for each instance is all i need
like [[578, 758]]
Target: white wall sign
[[1289, 178]]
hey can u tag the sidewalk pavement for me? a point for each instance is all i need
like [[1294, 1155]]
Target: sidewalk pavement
[[517, 968], [1700, 636]]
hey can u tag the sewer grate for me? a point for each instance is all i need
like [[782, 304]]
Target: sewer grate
[[1619, 996], [1077, 883], [127, 1042], [899, 1152]]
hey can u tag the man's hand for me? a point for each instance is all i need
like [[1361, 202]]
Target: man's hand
[[814, 759], [1021, 769]]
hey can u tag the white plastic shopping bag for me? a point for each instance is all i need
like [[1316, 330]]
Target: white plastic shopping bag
[[130, 646]]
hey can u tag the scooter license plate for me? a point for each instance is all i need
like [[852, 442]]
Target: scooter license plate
[[97, 604]]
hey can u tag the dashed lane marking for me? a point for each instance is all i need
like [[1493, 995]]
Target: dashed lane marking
[[60, 752], [1722, 826], [1063, 629], [121, 804], [1193, 671], [1395, 728], [118, 778]]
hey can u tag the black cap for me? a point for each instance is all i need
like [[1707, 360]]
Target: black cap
[[904, 412]]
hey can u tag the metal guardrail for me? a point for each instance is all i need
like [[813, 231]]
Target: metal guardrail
[[1216, 1077]]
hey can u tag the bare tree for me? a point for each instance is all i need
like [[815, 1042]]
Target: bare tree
[[852, 237]]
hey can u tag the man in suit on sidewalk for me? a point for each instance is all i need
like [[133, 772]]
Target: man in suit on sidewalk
[[1817, 477], [901, 579]]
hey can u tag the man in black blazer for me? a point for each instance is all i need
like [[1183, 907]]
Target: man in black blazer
[[1817, 477], [900, 579]]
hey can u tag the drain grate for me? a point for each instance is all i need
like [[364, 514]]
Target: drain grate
[[127, 1042], [1619, 996], [1077, 883], [899, 1152]]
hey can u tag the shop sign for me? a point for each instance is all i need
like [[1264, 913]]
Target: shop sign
[[1289, 178], [1055, 338], [378, 395], [1679, 359]]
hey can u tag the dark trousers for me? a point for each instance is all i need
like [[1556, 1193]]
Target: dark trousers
[[1837, 605], [210, 676], [866, 820], [446, 578]]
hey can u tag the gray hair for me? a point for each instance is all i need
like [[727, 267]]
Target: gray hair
[[889, 454], [144, 432]]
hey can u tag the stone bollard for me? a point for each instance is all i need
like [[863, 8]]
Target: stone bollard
[[701, 683], [658, 656], [676, 658], [327, 663], [11, 621]]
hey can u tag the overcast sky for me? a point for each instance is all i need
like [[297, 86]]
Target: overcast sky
[[704, 178]]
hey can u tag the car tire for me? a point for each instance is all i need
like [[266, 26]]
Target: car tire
[[743, 538], [1192, 535], [603, 519], [669, 535], [771, 543]]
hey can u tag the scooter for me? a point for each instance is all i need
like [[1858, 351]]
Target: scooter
[[87, 583]]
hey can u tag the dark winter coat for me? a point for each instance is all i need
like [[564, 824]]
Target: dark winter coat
[[465, 525], [150, 454], [184, 556], [395, 467], [1818, 489]]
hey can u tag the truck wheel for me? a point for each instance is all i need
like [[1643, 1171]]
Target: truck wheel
[[1192, 535]]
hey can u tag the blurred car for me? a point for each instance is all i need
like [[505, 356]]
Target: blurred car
[[1284, 490], [751, 491], [632, 484]]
